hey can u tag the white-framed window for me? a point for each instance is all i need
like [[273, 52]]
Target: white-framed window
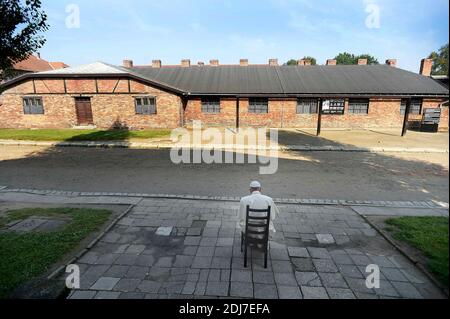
[[211, 105], [358, 106], [33, 105], [145, 105], [415, 108], [307, 105], [258, 105]]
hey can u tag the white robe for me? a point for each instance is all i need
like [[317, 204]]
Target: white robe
[[257, 201]]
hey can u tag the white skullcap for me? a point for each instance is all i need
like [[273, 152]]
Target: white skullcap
[[255, 184]]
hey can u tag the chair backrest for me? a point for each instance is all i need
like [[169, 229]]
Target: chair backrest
[[257, 227]]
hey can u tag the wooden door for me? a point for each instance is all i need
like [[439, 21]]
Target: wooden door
[[84, 110]]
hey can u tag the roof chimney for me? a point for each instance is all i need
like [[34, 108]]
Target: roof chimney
[[391, 62], [39, 55], [273, 62], [128, 63], [243, 62], [186, 63], [362, 61], [426, 66], [331, 62], [214, 62], [156, 63], [304, 62]]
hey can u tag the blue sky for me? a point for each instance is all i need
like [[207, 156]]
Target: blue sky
[[111, 30]]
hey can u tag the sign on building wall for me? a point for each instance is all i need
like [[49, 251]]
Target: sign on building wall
[[430, 120], [333, 106]]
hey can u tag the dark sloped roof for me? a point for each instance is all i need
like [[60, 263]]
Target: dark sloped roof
[[258, 79], [265, 80]]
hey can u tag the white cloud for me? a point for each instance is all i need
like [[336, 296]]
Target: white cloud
[[196, 26], [142, 25], [302, 22], [249, 44]]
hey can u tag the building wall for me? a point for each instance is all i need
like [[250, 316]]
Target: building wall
[[292, 119], [383, 113], [226, 117], [112, 104], [270, 119], [108, 108]]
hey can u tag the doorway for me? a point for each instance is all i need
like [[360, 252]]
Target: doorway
[[84, 110]]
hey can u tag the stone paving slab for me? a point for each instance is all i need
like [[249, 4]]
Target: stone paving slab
[[395, 211], [132, 261], [161, 145], [424, 208]]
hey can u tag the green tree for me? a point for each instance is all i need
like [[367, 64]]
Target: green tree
[[345, 58], [370, 58], [440, 61], [294, 62], [291, 62], [349, 58], [21, 23], [310, 58]]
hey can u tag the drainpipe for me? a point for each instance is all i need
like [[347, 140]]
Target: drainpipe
[[237, 113]]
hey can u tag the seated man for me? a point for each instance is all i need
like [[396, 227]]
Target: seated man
[[257, 201]]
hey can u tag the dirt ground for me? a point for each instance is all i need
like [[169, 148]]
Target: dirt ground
[[366, 138]]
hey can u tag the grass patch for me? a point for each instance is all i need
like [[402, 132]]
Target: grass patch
[[25, 256], [427, 234], [80, 135]]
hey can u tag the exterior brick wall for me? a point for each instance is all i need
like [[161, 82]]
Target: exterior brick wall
[[270, 119], [291, 119], [113, 103], [108, 108], [382, 113], [55, 116], [443, 124], [226, 117]]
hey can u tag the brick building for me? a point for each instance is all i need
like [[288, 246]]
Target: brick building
[[156, 96], [34, 63]]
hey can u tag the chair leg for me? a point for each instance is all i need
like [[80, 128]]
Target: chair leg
[[245, 256], [265, 258]]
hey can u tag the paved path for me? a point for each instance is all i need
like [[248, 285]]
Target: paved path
[[380, 208], [168, 145], [332, 175], [201, 258]]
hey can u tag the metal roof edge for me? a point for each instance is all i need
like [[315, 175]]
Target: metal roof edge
[[393, 95], [24, 77]]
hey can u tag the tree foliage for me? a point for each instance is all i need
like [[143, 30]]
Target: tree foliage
[[294, 62], [21, 24], [440, 61], [310, 58], [350, 58], [291, 62]]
